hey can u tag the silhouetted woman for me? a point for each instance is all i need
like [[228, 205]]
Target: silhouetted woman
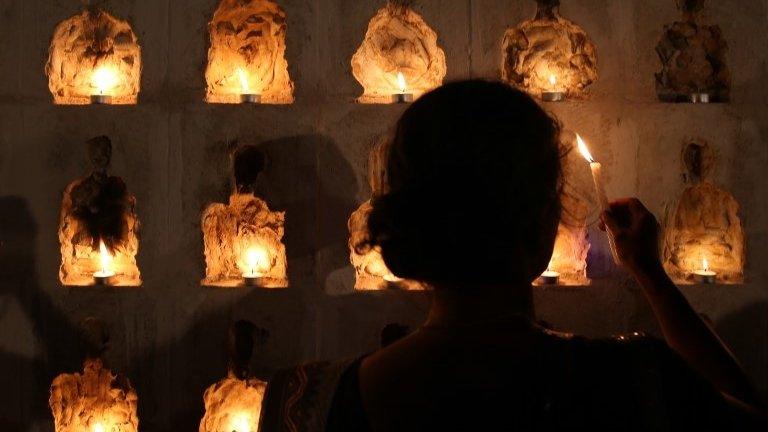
[[472, 209]]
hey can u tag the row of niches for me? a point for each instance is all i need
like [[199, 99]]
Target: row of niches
[[98, 399], [96, 58], [703, 239]]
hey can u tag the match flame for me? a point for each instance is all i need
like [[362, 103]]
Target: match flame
[[241, 423], [705, 264], [104, 78], [401, 82], [243, 80], [98, 427], [255, 259], [584, 150], [106, 268], [553, 80]]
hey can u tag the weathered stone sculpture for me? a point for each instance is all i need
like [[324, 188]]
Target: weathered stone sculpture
[[96, 209], [234, 403], [398, 40], [693, 58], [96, 400], [705, 225], [371, 273], [247, 53], [549, 47], [89, 43], [569, 257], [231, 231]]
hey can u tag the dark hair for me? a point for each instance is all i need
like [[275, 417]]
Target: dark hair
[[473, 188]]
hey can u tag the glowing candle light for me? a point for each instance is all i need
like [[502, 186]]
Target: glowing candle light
[[102, 276], [705, 275], [256, 259], [403, 96], [104, 80], [553, 94], [241, 423], [246, 95], [549, 277], [597, 178]]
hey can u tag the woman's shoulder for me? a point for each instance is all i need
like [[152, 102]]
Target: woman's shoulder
[[300, 398]]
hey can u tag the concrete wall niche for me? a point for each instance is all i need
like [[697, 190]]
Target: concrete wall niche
[[234, 403], [247, 53], [693, 59], [569, 258], [399, 55], [704, 232], [98, 226], [371, 273], [243, 239], [96, 400], [549, 54], [94, 57]]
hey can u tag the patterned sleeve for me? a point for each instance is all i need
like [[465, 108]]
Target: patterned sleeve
[[299, 399]]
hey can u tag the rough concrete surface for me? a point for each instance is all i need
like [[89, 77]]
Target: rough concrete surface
[[169, 335]]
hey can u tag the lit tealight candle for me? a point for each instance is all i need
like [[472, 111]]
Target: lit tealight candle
[[247, 96], [255, 259], [403, 96], [102, 276], [104, 80], [549, 277], [241, 423], [705, 275], [553, 94], [597, 178]]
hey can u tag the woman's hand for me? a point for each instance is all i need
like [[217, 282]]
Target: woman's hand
[[636, 235]]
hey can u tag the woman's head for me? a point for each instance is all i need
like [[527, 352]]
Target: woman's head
[[474, 179]]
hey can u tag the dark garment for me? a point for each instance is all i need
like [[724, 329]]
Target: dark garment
[[623, 384]]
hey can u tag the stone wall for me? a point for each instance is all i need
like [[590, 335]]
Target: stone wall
[[169, 336]]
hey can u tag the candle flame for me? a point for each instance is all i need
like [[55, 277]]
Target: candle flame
[[552, 79], [705, 264], [106, 260], [98, 427], [401, 82], [243, 80], [584, 150], [241, 423], [104, 79], [255, 260]]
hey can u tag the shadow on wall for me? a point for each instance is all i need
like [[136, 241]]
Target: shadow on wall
[[56, 347], [312, 164]]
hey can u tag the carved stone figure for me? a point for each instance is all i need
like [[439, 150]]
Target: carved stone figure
[[546, 48], [693, 58], [371, 273], [234, 403], [98, 208], [233, 231], [247, 53], [85, 44], [97, 399], [398, 40], [705, 224]]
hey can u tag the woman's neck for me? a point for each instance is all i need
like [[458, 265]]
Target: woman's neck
[[477, 304]]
